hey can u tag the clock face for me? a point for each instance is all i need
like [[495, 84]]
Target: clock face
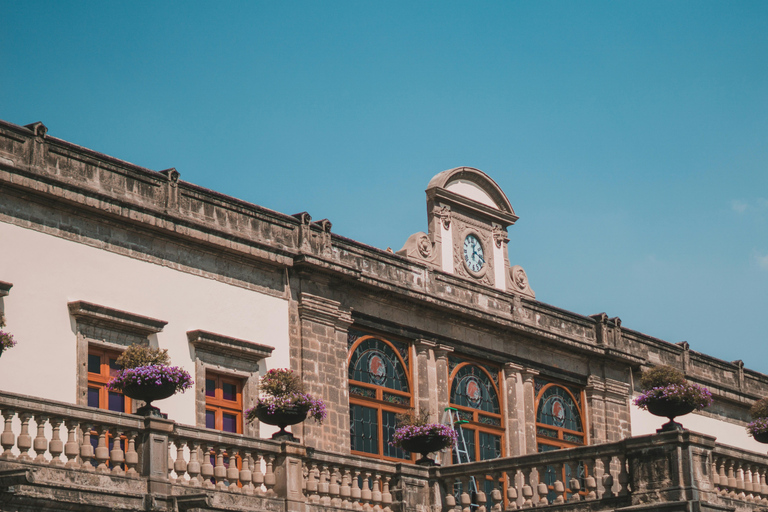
[[473, 253]]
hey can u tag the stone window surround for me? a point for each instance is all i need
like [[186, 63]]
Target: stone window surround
[[231, 357], [128, 328]]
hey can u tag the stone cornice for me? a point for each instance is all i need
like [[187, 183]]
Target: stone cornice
[[229, 346], [323, 311], [110, 318]]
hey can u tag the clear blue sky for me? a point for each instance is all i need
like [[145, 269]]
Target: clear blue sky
[[630, 137]]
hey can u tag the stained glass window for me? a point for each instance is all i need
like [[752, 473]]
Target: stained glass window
[[379, 389], [475, 396]]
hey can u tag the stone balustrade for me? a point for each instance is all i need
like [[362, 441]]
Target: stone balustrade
[[581, 474], [740, 475], [69, 457]]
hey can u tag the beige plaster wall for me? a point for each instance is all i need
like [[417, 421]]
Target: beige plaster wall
[[48, 272], [726, 432]]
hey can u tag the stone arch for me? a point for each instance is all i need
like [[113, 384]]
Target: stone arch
[[476, 178]]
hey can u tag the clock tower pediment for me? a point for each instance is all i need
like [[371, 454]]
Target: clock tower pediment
[[468, 216]]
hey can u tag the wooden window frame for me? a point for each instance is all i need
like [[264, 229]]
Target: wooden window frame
[[559, 442], [219, 405], [474, 424], [379, 403], [101, 379]]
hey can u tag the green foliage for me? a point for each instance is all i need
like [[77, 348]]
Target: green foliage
[[759, 409], [143, 355], [2, 319], [661, 376], [411, 418], [280, 382]]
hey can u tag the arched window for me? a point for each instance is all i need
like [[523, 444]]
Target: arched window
[[559, 424], [379, 389], [559, 417], [475, 395]]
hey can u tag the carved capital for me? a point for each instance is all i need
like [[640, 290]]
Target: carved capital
[[499, 235], [444, 214]]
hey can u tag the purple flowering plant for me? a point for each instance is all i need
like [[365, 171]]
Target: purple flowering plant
[[667, 384], [283, 391], [759, 413], [145, 366], [758, 426], [6, 340], [414, 426]]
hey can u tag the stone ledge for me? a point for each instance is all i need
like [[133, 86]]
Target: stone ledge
[[103, 316], [226, 345], [5, 288]]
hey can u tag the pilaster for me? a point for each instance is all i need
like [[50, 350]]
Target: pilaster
[[514, 395], [425, 375], [529, 408], [442, 378]]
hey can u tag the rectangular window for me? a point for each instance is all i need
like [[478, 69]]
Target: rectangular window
[[223, 403], [102, 366]]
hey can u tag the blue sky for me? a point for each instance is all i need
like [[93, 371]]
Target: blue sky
[[630, 137]]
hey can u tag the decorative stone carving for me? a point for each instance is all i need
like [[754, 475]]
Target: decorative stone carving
[[419, 246], [500, 236], [518, 282], [444, 214]]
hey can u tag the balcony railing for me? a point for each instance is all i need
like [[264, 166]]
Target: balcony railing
[[68, 456]]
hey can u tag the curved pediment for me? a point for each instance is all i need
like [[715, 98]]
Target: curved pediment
[[472, 184]]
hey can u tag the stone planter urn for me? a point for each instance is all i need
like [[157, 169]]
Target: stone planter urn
[[761, 437], [425, 445], [148, 393], [282, 418], [671, 410]]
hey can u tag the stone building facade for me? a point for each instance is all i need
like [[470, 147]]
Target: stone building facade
[[101, 253]]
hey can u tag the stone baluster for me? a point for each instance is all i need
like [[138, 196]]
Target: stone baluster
[[763, 484], [604, 478], [512, 494], [269, 476], [365, 493], [527, 488], [102, 450], [194, 467], [731, 464], [117, 455], [323, 485], [334, 487], [496, 501], [258, 476], [386, 495], [715, 474], [590, 482], [748, 482], [246, 475], [722, 477], [356, 493], [449, 500], [40, 444], [540, 497], [56, 446], [206, 469], [7, 438], [574, 483], [345, 490], [71, 447], [376, 491], [480, 497], [623, 477], [740, 484], [233, 473], [179, 465], [313, 483], [86, 449], [24, 441], [558, 486], [131, 455], [220, 470], [465, 498], [754, 483]]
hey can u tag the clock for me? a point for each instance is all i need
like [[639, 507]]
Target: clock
[[473, 254]]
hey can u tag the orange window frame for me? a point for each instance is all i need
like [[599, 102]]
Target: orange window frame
[[106, 372], [221, 406], [381, 399], [475, 424], [560, 441]]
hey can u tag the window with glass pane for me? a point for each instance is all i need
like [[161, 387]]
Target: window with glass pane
[[102, 366], [475, 396], [559, 424], [379, 389], [223, 403]]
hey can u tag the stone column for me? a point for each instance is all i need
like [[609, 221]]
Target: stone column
[[322, 362], [607, 409], [288, 476], [514, 405], [153, 451], [671, 467], [425, 376], [443, 387], [529, 408], [595, 395]]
